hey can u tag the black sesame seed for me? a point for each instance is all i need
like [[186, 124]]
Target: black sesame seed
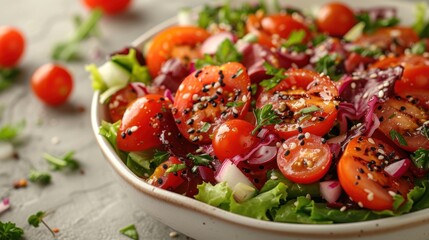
[[301, 136], [197, 73], [123, 135], [129, 132], [190, 121], [165, 166], [159, 181], [402, 108], [178, 121], [287, 152], [302, 143]]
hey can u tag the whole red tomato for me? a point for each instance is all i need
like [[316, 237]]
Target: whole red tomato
[[52, 84], [12, 45], [109, 7]]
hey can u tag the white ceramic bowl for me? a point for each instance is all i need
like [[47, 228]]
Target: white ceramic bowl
[[201, 221]]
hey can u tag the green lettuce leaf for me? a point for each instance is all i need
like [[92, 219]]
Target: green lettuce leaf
[[218, 195], [258, 206], [293, 189], [96, 78]]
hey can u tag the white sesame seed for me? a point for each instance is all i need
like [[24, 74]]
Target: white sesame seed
[[292, 146], [373, 75], [380, 157], [244, 98], [370, 140], [274, 177], [216, 85], [308, 196], [181, 87], [380, 94], [353, 85], [55, 140], [134, 128], [343, 208], [392, 193], [360, 204], [186, 96], [370, 176], [195, 97], [307, 135], [173, 234], [285, 146]]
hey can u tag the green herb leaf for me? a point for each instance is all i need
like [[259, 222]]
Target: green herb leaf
[[420, 158], [278, 74], [372, 25], [418, 48], [8, 132], [372, 52], [226, 52], [130, 231], [59, 163], [295, 38], [424, 130], [200, 160], [206, 127], [328, 65], [9, 231], [310, 109], [235, 104], [397, 137], [7, 77], [175, 168], [35, 219], [319, 39], [160, 157], [265, 116], [42, 178], [67, 50], [420, 21]]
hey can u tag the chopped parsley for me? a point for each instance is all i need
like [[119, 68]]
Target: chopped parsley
[[8, 132], [42, 178], [226, 52], [160, 156], [395, 136], [425, 130], [372, 25], [174, 168], [420, 158], [294, 42], [206, 127], [278, 74], [368, 52], [235, 104], [130, 231], [200, 160], [310, 109], [7, 77], [59, 163], [418, 48], [265, 116], [37, 218], [9, 231], [328, 65], [67, 50]]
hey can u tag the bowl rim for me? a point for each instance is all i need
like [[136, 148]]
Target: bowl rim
[[367, 228]]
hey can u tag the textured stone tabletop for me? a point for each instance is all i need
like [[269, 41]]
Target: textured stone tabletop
[[88, 204]]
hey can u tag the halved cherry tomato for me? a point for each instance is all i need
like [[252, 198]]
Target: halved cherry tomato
[[415, 80], [273, 30], [12, 45], [362, 176], [109, 7], [160, 178], [304, 158], [335, 18], [405, 119], [233, 137], [305, 101], [393, 39], [52, 84], [119, 102], [210, 96], [178, 41], [141, 128]]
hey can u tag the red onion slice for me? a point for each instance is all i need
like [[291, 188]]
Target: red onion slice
[[265, 142], [169, 95], [330, 190], [4, 205], [397, 169], [140, 89], [211, 44], [263, 155]]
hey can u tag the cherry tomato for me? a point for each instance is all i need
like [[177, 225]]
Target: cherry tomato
[[160, 178], [110, 7], [415, 75], [12, 45], [305, 101], [362, 176], [335, 19], [119, 102], [273, 30], [178, 41], [391, 39], [304, 158], [210, 96], [141, 124], [405, 119], [233, 137], [52, 84]]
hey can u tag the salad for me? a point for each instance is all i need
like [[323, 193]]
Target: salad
[[276, 113]]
